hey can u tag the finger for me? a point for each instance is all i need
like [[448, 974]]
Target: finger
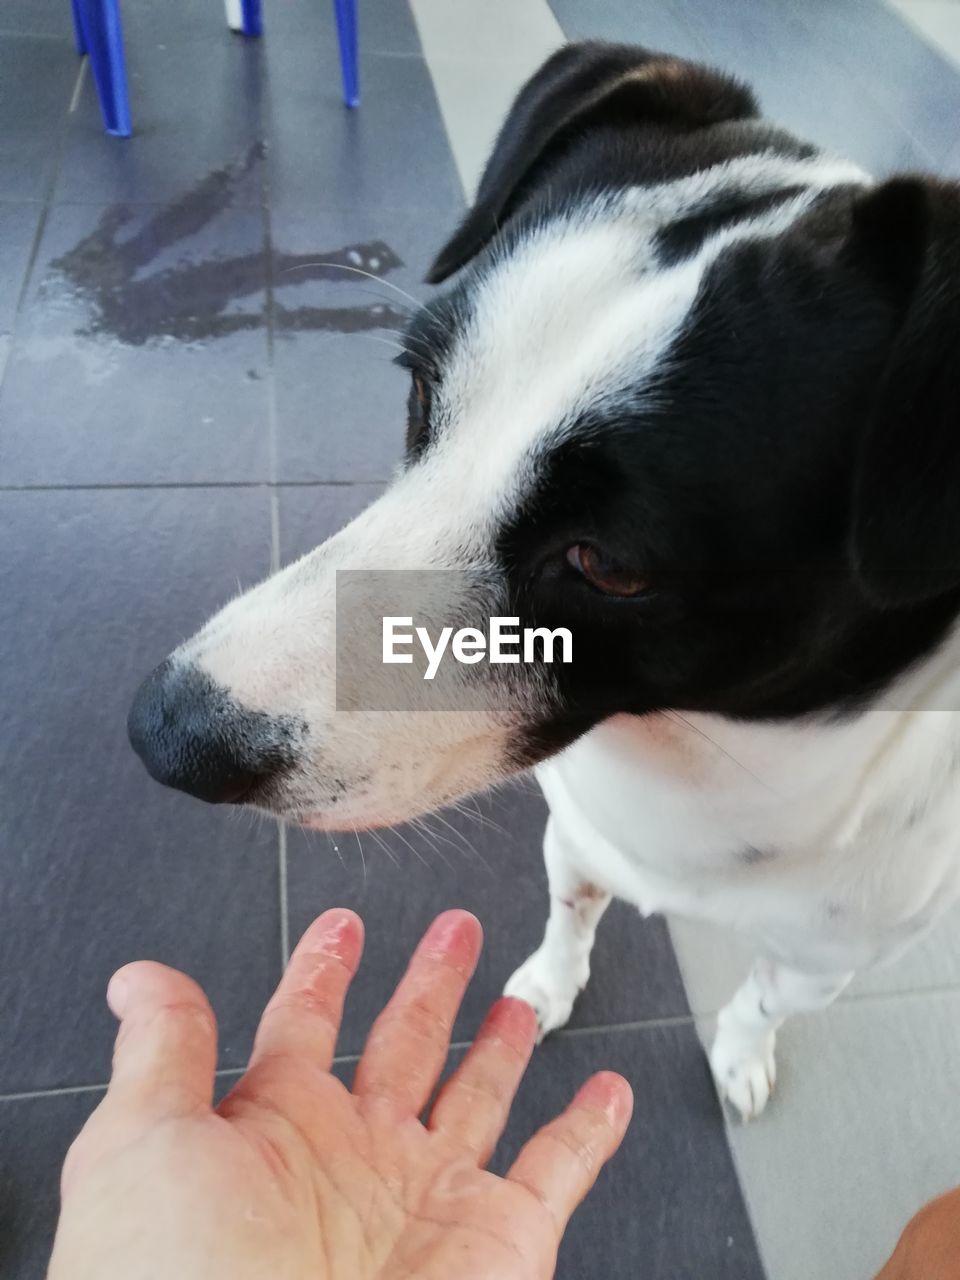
[[166, 1049], [473, 1105], [408, 1045], [303, 1017], [561, 1164]]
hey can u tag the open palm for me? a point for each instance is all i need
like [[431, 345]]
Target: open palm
[[295, 1176]]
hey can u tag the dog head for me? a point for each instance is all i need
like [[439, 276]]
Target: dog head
[[691, 395]]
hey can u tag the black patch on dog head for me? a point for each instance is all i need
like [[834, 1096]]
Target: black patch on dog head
[[726, 480], [905, 536], [583, 88]]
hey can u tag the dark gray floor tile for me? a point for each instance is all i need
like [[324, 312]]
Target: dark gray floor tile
[[385, 26], [341, 402], [197, 102], [18, 225], [141, 353], [390, 152], [798, 82], [485, 858], [37, 78], [654, 25], [36, 18], [668, 1206], [34, 1136], [98, 864], [309, 514]]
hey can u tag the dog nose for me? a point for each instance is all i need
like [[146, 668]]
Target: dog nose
[[193, 736]]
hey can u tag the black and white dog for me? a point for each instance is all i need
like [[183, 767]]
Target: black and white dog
[[694, 393]]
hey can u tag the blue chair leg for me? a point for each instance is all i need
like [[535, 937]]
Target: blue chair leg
[[79, 38], [346, 11], [252, 17], [100, 30]]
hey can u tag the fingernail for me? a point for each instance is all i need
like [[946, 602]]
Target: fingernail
[[609, 1093], [454, 936], [118, 994], [338, 933]]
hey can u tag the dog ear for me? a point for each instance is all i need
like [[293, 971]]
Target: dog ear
[[905, 538], [580, 87]]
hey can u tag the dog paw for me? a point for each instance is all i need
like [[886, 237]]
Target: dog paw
[[744, 1068], [549, 989]]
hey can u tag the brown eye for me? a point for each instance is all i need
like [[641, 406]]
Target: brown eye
[[421, 391], [418, 413], [603, 573]]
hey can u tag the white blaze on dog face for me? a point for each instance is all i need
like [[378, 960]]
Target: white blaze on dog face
[[518, 374]]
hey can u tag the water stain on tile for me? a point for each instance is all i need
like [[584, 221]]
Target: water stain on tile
[[113, 273]]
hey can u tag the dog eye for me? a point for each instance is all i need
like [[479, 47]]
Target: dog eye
[[602, 572], [418, 412], [421, 390]]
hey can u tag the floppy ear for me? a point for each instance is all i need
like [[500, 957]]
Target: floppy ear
[[578, 88], [905, 538]]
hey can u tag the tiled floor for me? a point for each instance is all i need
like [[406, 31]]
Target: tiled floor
[[194, 386]]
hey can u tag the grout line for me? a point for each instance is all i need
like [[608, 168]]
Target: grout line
[[874, 997], [11, 33], [134, 486], [284, 897], [67, 1091], [345, 1059], [858, 997], [270, 318], [643, 1024], [274, 529], [44, 217], [46, 201]]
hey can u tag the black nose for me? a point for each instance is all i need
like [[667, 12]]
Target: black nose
[[193, 736]]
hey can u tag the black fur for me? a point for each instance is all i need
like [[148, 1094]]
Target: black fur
[[794, 497], [581, 88]]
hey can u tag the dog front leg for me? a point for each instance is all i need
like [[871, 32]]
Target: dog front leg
[[742, 1056], [557, 972]]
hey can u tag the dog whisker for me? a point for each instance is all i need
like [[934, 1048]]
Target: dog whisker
[[363, 861], [342, 266], [677, 718], [382, 844]]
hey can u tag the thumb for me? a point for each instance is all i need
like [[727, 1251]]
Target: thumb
[[166, 1049], [163, 1062]]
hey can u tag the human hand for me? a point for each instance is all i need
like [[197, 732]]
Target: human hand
[[929, 1248], [294, 1176]]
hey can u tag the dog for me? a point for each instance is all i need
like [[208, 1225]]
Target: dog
[[691, 389]]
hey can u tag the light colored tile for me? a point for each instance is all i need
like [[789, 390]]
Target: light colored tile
[[938, 21], [474, 99], [714, 962], [479, 55], [487, 29], [861, 1132]]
